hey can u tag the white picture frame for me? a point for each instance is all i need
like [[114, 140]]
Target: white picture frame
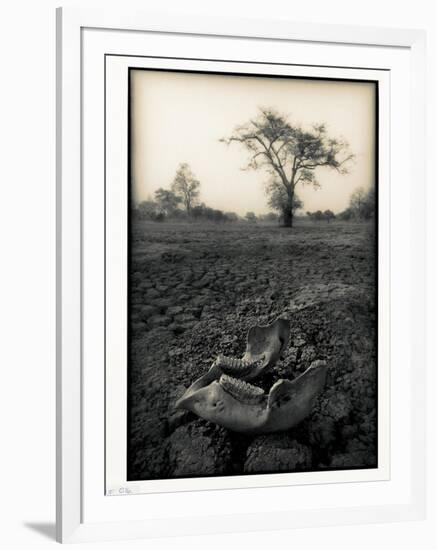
[[84, 513]]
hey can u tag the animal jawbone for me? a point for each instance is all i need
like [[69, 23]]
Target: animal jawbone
[[224, 396], [245, 408]]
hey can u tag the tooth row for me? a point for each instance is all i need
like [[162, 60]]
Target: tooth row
[[234, 366], [240, 390]]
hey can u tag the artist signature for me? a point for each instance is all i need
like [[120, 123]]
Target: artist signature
[[119, 491]]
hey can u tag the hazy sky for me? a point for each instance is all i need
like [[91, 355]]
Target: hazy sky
[[180, 117]]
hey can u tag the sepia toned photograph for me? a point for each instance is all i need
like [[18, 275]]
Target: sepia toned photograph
[[252, 275]]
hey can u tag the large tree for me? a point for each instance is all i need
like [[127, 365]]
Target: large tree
[[186, 186], [289, 152]]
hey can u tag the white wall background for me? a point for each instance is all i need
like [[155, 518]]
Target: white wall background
[[27, 271]]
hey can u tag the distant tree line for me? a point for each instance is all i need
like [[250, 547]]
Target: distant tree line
[[181, 202], [362, 206], [318, 215]]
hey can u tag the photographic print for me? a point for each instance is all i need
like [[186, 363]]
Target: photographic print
[[252, 274]]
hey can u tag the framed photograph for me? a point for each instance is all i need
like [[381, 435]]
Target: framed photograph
[[240, 275]]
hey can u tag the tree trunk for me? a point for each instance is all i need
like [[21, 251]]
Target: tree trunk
[[288, 212], [288, 217]]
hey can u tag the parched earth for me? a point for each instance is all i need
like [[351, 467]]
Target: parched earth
[[196, 289]]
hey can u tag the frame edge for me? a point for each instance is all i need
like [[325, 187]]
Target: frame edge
[[68, 248], [68, 278]]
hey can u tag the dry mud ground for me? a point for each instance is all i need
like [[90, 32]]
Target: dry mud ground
[[195, 289]]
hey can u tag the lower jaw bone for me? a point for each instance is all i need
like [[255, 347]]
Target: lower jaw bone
[[246, 410]]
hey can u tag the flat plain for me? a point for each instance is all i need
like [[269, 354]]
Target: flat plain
[[196, 288]]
